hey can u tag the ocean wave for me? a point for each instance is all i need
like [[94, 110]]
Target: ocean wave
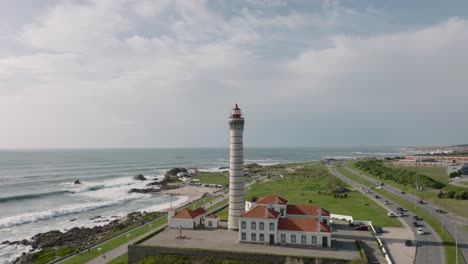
[[61, 211], [30, 196]]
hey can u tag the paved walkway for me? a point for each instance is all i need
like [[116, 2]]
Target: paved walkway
[[122, 249]]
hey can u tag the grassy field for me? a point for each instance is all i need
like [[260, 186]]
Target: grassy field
[[122, 259], [218, 204], [436, 173], [213, 177], [454, 206], [115, 242], [176, 259], [447, 240]]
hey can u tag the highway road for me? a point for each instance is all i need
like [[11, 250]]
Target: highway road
[[449, 221], [430, 250]]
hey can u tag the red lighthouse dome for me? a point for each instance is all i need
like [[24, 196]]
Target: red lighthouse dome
[[236, 112]]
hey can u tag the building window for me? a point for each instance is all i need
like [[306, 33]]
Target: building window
[[254, 237], [283, 238], [293, 238], [303, 239], [314, 239], [262, 237], [253, 225], [272, 226], [261, 225], [243, 236], [210, 223], [243, 225]]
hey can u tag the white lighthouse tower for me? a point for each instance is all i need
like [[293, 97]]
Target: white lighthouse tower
[[236, 168]]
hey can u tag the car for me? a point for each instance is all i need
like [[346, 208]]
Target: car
[[408, 243], [377, 197], [399, 209], [391, 214], [362, 228], [420, 202], [421, 231], [379, 187], [417, 218], [403, 193], [378, 230], [440, 211], [415, 224], [400, 214], [386, 202]]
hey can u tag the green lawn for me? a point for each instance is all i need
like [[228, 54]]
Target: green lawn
[[176, 259], [218, 204], [213, 177], [436, 173], [223, 214], [115, 242], [457, 207], [447, 240], [122, 259]]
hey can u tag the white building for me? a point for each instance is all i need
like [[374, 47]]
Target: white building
[[187, 219], [212, 221], [271, 220]]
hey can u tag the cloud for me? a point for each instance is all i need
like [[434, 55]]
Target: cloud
[[165, 73]]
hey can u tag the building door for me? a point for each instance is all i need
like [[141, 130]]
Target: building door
[[272, 239], [324, 241]]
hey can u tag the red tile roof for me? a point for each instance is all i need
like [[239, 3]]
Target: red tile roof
[[293, 209], [272, 199], [260, 211], [212, 216], [189, 214], [301, 224]]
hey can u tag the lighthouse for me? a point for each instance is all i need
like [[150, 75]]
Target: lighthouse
[[236, 168]]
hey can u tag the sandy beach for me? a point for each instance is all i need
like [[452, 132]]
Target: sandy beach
[[193, 192]]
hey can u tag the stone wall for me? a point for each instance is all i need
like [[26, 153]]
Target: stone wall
[[137, 252]]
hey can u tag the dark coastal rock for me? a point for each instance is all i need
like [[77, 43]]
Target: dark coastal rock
[[95, 217], [174, 171], [77, 182], [140, 177], [157, 183], [224, 168], [145, 191], [73, 220], [5, 242]]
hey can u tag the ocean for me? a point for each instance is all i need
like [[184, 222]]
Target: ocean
[[38, 194]]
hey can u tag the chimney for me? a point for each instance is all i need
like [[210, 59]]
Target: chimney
[[266, 212]]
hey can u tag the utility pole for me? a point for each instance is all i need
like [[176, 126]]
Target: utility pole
[[443, 212], [456, 244]]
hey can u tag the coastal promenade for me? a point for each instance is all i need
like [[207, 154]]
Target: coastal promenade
[[448, 221], [122, 249], [430, 249]]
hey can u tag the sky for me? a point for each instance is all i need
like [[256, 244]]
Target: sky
[[138, 73]]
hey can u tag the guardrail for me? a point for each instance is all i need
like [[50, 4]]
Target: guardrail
[[381, 245]]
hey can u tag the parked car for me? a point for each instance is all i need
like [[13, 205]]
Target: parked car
[[415, 224], [408, 243], [421, 231], [391, 214], [362, 228], [378, 230]]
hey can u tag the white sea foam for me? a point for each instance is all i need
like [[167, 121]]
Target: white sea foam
[[61, 211], [8, 253]]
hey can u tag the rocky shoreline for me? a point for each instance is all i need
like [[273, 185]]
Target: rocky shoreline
[[78, 238]]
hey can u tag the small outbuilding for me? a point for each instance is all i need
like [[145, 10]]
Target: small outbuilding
[[212, 221], [187, 219]]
